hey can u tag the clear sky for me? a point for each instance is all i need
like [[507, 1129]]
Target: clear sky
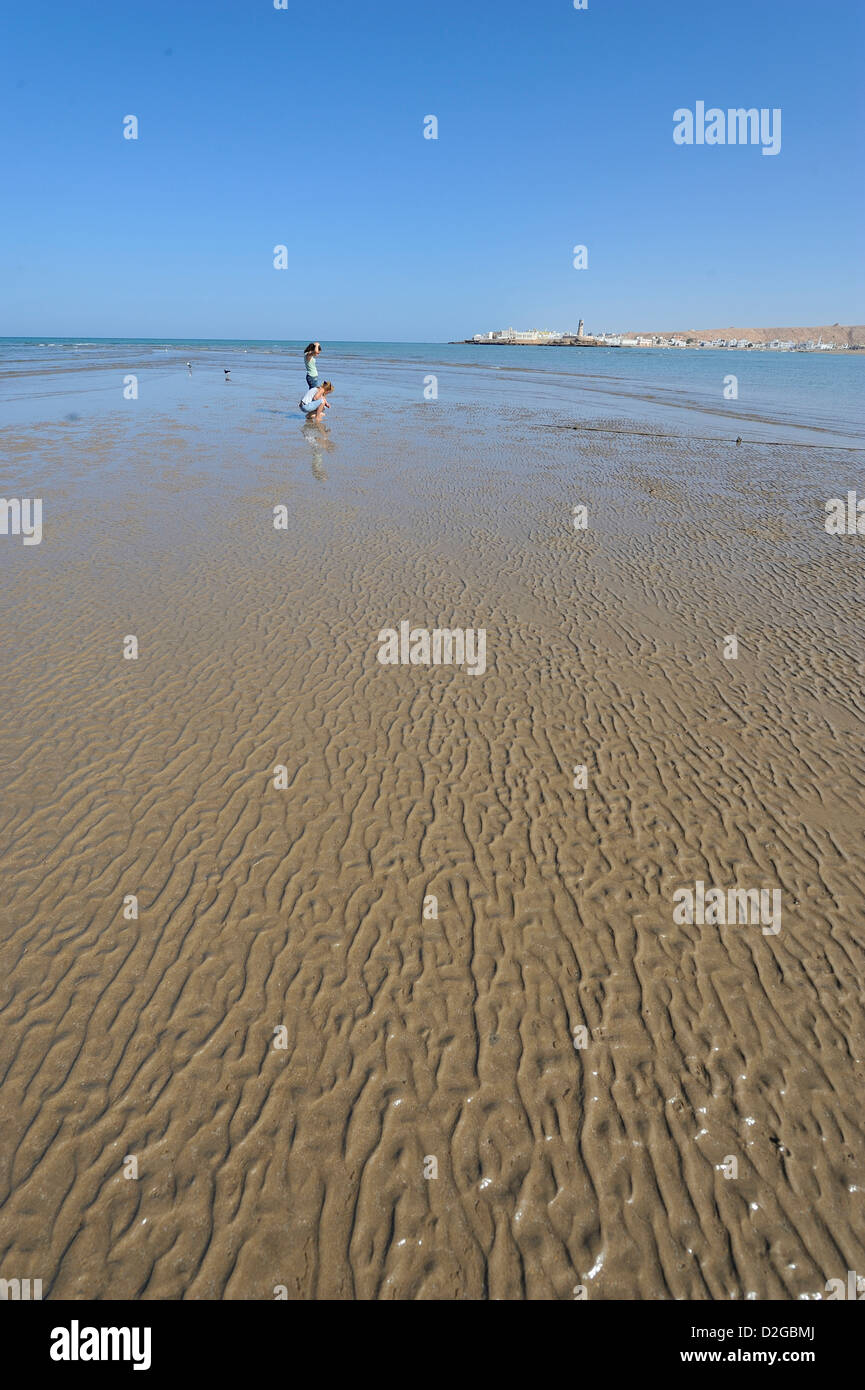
[[304, 127]]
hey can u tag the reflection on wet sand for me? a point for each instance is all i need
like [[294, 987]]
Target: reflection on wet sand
[[317, 436]]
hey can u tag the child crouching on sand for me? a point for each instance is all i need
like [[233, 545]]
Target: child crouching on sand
[[313, 404]]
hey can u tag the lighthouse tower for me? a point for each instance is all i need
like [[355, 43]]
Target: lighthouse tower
[[580, 329]]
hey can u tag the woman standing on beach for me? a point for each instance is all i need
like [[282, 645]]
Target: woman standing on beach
[[310, 352]]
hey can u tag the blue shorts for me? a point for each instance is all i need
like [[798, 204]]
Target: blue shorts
[[311, 381], [310, 409]]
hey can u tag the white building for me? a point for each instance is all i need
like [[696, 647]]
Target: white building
[[518, 335]]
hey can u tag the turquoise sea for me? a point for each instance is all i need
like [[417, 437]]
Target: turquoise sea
[[810, 397]]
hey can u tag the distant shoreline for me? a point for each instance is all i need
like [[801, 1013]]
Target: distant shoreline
[[654, 347], [825, 337]]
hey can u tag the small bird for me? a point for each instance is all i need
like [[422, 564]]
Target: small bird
[[227, 371], [738, 439]]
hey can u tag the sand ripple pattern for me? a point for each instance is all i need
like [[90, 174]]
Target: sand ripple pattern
[[303, 908]]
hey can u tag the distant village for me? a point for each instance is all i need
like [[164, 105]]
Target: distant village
[[549, 338]]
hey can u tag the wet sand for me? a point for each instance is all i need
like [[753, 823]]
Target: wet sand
[[409, 1037]]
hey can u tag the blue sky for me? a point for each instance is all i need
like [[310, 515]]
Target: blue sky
[[304, 127]]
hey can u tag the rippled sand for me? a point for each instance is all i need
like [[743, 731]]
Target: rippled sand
[[410, 1038]]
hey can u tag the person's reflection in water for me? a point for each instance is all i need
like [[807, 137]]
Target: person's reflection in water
[[317, 436]]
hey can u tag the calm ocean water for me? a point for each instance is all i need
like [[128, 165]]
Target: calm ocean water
[[813, 397]]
